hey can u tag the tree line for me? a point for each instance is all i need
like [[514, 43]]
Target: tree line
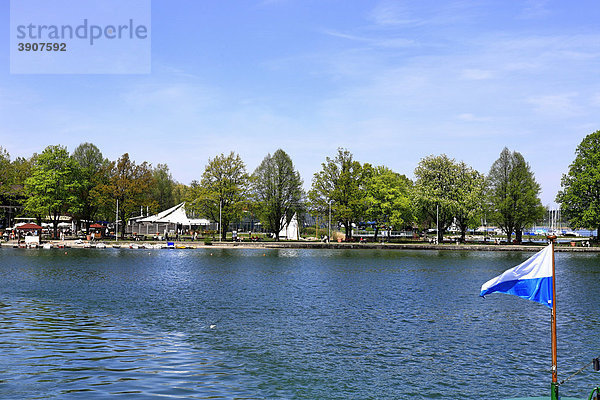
[[87, 186]]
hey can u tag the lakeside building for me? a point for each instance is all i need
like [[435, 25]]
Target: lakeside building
[[171, 221]]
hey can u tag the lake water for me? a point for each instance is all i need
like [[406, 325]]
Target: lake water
[[286, 324]]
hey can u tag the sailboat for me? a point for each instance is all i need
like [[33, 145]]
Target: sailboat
[[535, 280]]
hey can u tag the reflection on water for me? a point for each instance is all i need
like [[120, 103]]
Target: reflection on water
[[284, 324]]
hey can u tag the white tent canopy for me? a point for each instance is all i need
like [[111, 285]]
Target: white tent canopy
[[174, 215], [290, 230], [170, 220]]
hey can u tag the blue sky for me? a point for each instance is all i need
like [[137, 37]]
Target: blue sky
[[392, 81]]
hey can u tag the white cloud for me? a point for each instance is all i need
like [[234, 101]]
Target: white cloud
[[468, 117], [595, 100], [389, 13], [383, 41], [169, 97], [477, 74], [535, 9], [556, 105]]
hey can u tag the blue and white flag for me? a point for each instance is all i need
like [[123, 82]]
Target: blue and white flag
[[531, 280]]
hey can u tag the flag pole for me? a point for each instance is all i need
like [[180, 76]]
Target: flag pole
[[554, 385]]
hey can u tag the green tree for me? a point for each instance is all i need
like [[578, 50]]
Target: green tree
[[436, 191], [52, 185], [276, 191], [180, 192], [221, 195], [163, 186], [12, 177], [580, 195], [387, 196], [90, 173], [20, 170], [7, 180], [341, 184], [6, 175], [513, 194], [469, 199], [129, 184]]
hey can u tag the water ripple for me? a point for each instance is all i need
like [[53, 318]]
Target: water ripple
[[301, 324]]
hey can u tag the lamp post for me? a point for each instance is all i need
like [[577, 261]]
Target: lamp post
[[485, 227], [437, 224], [220, 205], [117, 222], [329, 233]]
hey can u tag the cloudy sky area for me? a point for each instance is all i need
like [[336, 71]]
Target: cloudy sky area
[[392, 81]]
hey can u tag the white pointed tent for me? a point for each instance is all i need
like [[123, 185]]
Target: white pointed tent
[[290, 230], [174, 215], [169, 220]]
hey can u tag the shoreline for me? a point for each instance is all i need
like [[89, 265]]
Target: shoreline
[[316, 245]]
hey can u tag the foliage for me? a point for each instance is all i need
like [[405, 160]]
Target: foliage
[[129, 184], [90, 175], [513, 194], [12, 177], [52, 184], [221, 195], [580, 194], [21, 170], [469, 197], [180, 192], [162, 188], [6, 177], [387, 196], [276, 191], [436, 191], [341, 182], [9, 190]]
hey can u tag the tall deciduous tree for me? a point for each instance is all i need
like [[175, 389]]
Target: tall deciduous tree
[[6, 175], [580, 194], [276, 191], [130, 185], [436, 191], [513, 194], [12, 177], [469, 200], [341, 182], [7, 178], [90, 174], [221, 195], [20, 171], [387, 197], [52, 184], [163, 187], [180, 192]]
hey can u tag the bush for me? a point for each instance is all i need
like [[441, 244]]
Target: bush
[[309, 231]]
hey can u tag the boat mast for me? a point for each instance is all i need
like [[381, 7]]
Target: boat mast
[[554, 385]]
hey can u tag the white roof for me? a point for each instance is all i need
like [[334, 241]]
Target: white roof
[[174, 215]]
